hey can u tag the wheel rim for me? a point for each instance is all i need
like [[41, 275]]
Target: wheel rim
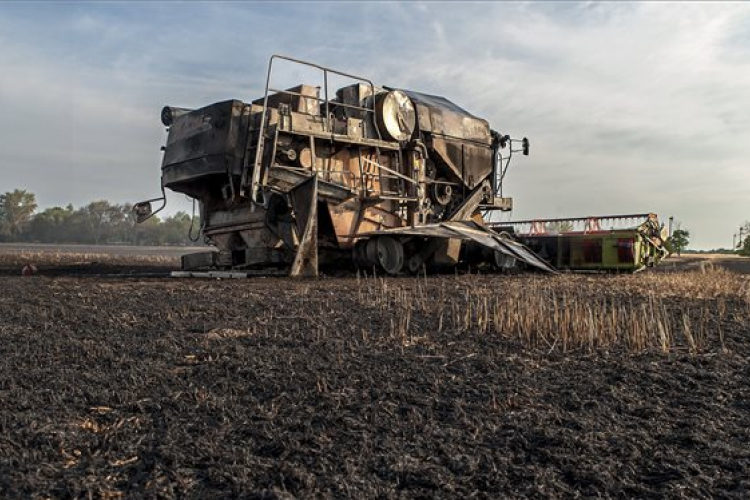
[[390, 254]]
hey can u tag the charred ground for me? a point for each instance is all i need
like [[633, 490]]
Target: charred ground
[[263, 388]]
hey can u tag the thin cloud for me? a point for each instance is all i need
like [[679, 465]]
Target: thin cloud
[[629, 107]]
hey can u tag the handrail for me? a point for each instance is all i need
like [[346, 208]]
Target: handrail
[[580, 225], [397, 174], [580, 219], [320, 99], [255, 181]]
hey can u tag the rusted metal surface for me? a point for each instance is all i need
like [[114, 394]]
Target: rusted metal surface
[[468, 230], [305, 205], [470, 205], [380, 158]]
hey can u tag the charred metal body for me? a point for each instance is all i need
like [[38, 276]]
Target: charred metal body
[[303, 176]]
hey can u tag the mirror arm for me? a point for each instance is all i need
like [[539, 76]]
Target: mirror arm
[[162, 198]]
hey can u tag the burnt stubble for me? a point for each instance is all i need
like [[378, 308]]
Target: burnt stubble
[[128, 387]]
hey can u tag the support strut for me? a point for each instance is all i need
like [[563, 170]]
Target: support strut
[[304, 198]]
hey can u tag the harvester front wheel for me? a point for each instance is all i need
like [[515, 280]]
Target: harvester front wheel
[[390, 254]]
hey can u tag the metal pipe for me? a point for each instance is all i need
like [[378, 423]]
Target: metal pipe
[[402, 176], [261, 139], [574, 219], [325, 90], [322, 68], [169, 113], [420, 145]]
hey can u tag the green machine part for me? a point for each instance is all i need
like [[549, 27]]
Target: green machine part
[[614, 251], [617, 250], [583, 243]]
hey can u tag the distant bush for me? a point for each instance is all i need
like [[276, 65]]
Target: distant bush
[[99, 222]]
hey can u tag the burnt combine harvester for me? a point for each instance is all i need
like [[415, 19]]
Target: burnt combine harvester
[[624, 243], [302, 177]]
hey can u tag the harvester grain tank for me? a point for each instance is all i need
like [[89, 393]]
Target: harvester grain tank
[[305, 176]]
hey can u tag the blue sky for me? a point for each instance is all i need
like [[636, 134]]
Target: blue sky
[[630, 107]]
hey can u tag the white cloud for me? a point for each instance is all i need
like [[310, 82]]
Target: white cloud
[[632, 108], [629, 107]]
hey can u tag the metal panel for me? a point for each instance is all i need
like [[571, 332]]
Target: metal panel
[[305, 205], [440, 116], [466, 230]]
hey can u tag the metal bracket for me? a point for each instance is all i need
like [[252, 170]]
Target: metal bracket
[[304, 198], [471, 203]]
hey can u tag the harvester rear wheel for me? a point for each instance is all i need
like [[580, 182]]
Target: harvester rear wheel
[[359, 254], [371, 252], [390, 254]]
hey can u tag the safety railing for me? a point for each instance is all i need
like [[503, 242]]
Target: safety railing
[[257, 160], [583, 225]]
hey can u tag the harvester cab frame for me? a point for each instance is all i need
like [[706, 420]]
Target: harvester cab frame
[[387, 178]]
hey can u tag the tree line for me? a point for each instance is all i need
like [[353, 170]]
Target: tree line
[[99, 222], [102, 222]]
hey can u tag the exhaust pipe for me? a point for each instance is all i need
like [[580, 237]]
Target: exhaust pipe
[[168, 114]]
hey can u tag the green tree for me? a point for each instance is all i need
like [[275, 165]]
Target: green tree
[[51, 225], [99, 222], [103, 222], [668, 245], [125, 225], [16, 210], [176, 228], [150, 232], [679, 240], [78, 228], [744, 248], [98, 216]]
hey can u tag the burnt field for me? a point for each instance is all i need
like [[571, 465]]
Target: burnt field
[[70, 260], [441, 387]]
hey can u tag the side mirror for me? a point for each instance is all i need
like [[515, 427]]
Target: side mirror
[[525, 146], [142, 211]]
